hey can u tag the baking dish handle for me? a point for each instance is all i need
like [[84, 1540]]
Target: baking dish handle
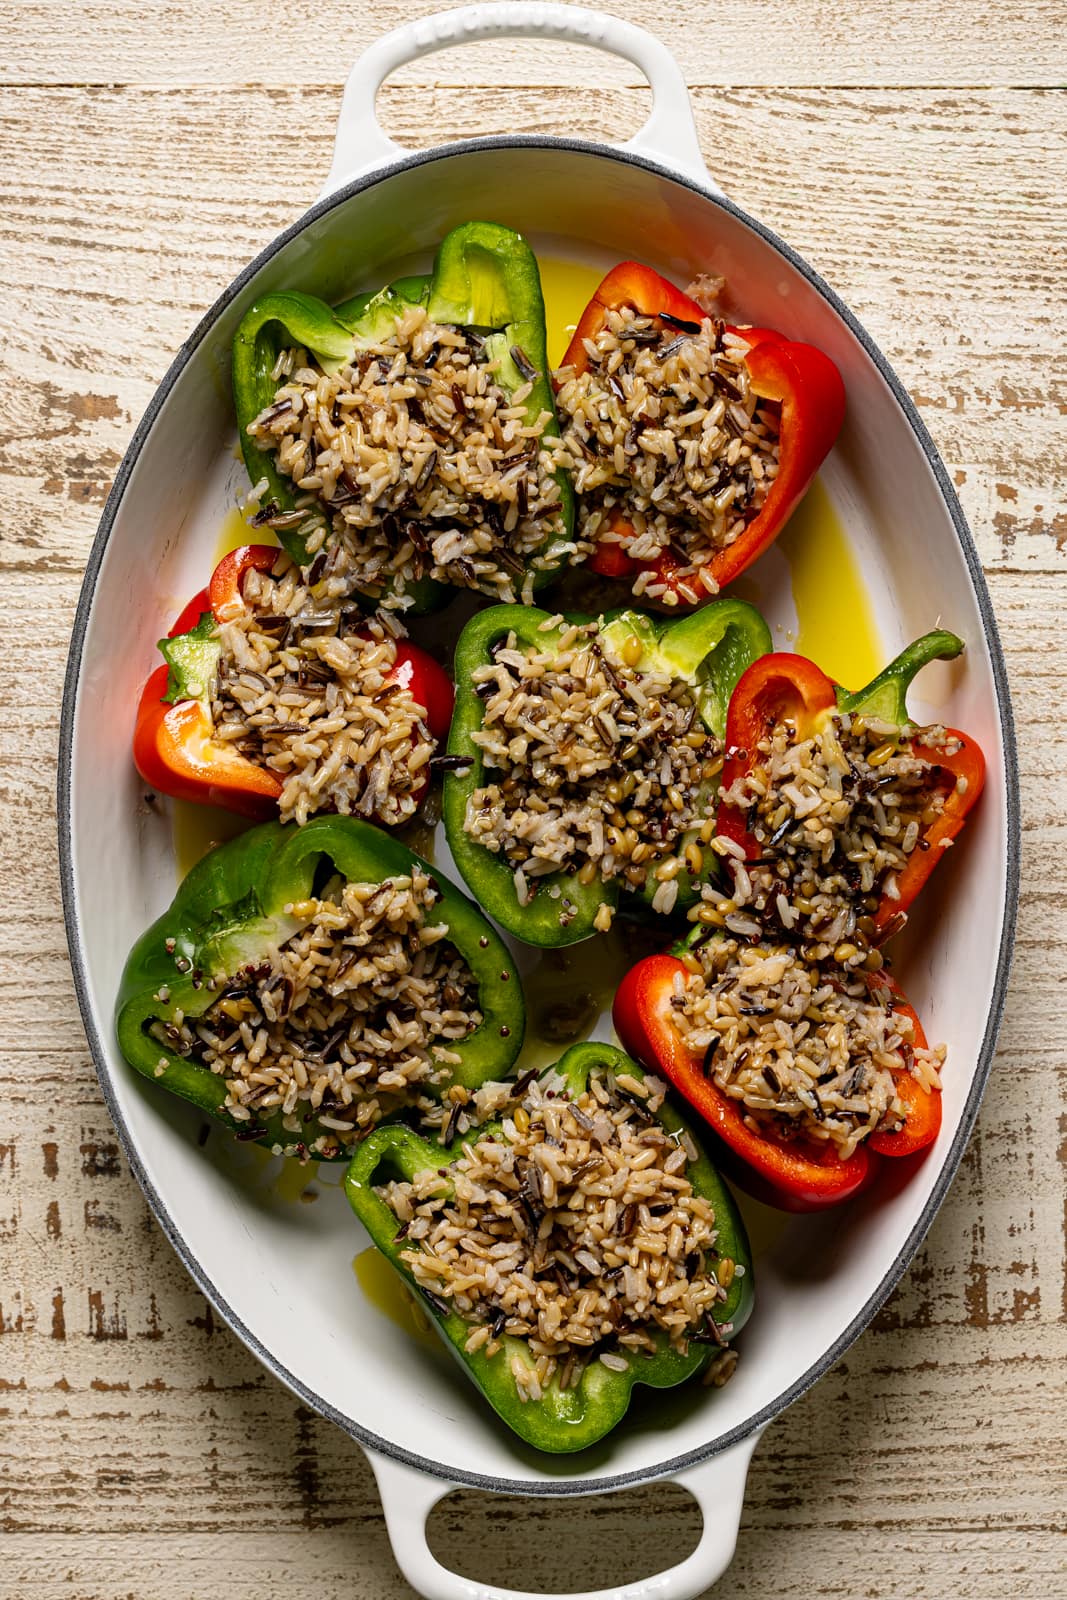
[[718, 1486], [669, 135]]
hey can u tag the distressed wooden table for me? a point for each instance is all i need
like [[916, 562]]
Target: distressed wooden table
[[916, 152]]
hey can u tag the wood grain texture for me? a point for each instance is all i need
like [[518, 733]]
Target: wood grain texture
[[750, 42], [143, 1453], [967, 302]]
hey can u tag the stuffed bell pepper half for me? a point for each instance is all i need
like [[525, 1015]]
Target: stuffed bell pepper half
[[836, 807], [309, 983], [778, 1018], [280, 697], [575, 1247], [406, 437], [691, 442], [584, 761], [805, 1074]]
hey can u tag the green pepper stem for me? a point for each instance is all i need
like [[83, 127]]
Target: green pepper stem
[[193, 660], [886, 696]]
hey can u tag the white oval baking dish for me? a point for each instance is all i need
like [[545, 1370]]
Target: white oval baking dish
[[279, 1273]]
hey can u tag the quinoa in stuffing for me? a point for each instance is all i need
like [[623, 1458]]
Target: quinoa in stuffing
[[414, 462], [350, 1020], [574, 1228], [600, 768], [664, 434], [809, 1052]]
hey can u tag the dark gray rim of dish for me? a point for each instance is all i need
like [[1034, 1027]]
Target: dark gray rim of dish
[[759, 1419]]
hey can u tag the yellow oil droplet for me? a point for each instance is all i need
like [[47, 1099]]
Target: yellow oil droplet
[[388, 1293], [568, 288], [235, 532], [293, 1182], [198, 829], [835, 622]]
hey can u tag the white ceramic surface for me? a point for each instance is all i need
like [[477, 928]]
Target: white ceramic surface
[[278, 1272]]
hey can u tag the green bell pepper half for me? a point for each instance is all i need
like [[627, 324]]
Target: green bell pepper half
[[574, 1418], [230, 911], [709, 649], [484, 277]]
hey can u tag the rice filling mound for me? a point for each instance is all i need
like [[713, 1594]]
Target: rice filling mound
[[346, 1023], [575, 1229], [414, 462], [600, 768], [808, 1053], [304, 689], [663, 430], [836, 817]]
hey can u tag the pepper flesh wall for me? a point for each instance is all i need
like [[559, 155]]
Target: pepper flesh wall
[[238, 907]]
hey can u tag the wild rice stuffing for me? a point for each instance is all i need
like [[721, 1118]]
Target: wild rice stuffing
[[836, 817], [303, 688], [809, 1053], [575, 1229], [604, 767], [414, 462], [348, 1022], [664, 432]]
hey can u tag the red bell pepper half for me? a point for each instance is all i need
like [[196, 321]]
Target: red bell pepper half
[[795, 1174], [784, 687], [174, 748], [799, 380]]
